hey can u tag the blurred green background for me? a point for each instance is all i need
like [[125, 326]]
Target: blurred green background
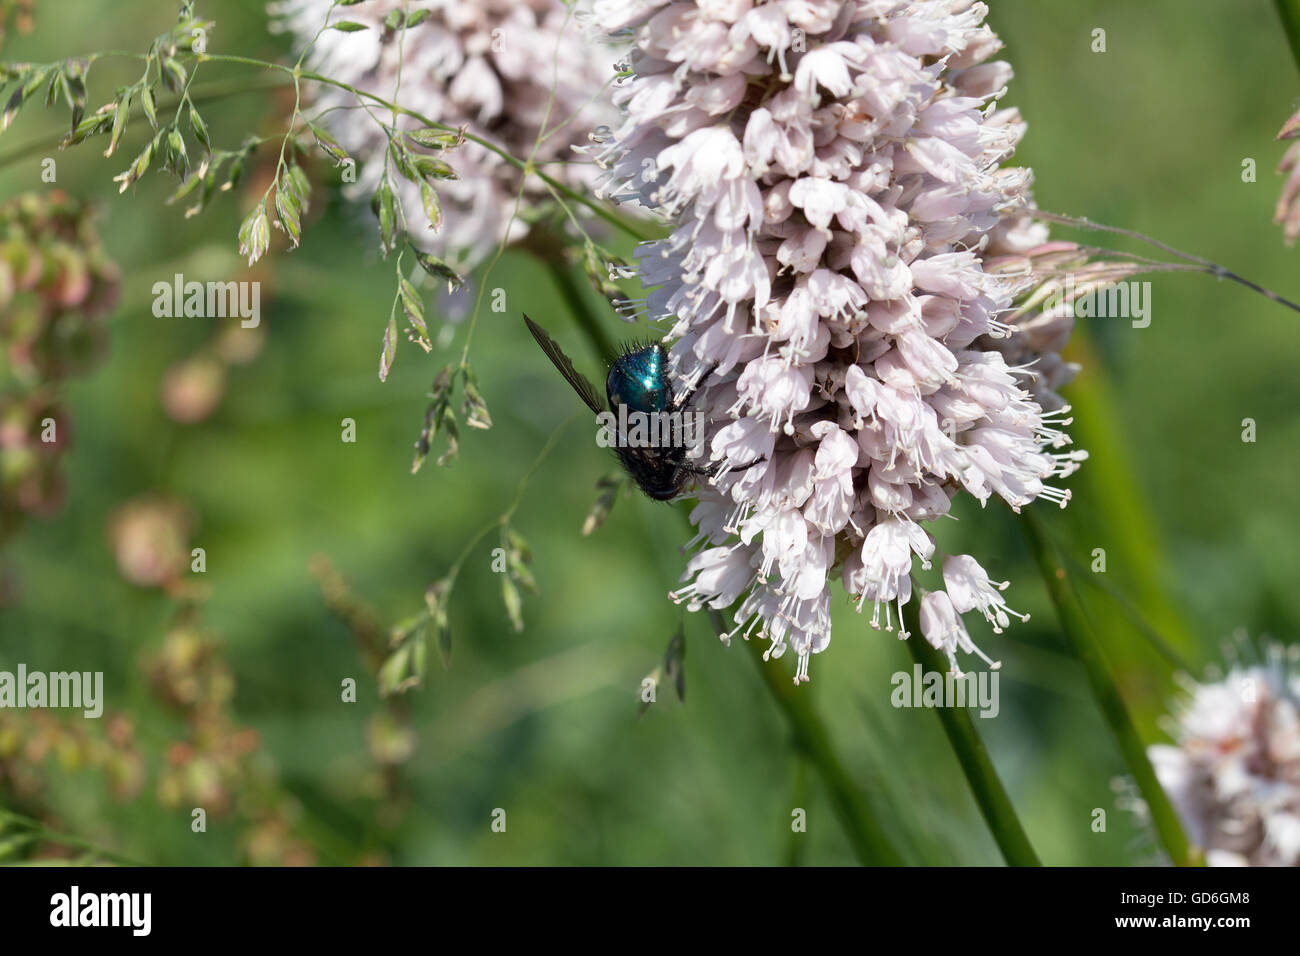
[[1149, 135]]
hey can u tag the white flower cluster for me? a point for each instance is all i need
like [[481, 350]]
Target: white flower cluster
[[832, 171], [1234, 776], [504, 69]]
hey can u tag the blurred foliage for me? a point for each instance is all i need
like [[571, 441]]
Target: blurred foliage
[[56, 284], [227, 689]]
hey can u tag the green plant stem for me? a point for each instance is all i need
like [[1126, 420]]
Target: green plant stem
[[1289, 12], [869, 842], [207, 93], [44, 833], [1135, 617], [991, 797], [800, 796], [1110, 508], [548, 251], [1081, 638]]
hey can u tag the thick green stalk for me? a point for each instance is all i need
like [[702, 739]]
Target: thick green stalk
[[870, 844], [994, 803], [800, 796], [1289, 12], [1081, 638], [1110, 510], [548, 250]]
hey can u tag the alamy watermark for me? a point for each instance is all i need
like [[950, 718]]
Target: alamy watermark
[[633, 429], [1118, 300], [132, 911], [58, 689], [210, 300], [932, 689]]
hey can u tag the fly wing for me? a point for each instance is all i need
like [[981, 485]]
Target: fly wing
[[586, 391]]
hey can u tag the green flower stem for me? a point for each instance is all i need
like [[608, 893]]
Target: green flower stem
[[1135, 618], [548, 250], [1289, 12], [800, 796], [34, 828], [994, 803], [870, 844], [1110, 510], [206, 93], [1080, 637]]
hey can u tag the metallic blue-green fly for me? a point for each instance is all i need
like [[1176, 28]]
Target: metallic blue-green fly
[[639, 391]]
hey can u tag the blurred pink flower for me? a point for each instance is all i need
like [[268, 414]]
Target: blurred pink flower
[[504, 69], [150, 540], [192, 388], [1233, 774]]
